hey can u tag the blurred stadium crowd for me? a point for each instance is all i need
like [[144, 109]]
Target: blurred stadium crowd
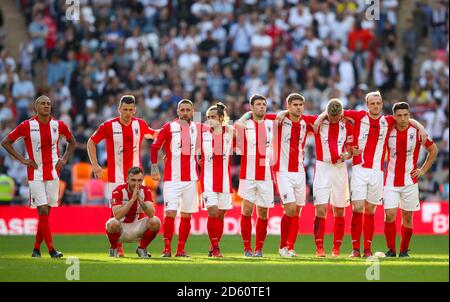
[[223, 50]]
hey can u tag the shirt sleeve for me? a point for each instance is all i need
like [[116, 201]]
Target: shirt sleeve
[[354, 114], [428, 142], [270, 116], [390, 120], [18, 132], [309, 119], [159, 141], [100, 134], [147, 195], [349, 133], [64, 130], [145, 128], [116, 198]]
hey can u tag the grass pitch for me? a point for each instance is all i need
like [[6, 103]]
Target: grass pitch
[[429, 261]]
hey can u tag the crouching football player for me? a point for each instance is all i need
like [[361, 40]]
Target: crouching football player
[[133, 215]]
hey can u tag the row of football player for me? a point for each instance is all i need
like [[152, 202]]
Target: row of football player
[[131, 220]]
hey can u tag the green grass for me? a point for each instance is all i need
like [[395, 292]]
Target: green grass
[[429, 261]]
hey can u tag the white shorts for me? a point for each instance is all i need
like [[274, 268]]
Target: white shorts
[[181, 195], [133, 231], [110, 187], [292, 187], [259, 192], [367, 184], [405, 198], [44, 193], [222, 200], [331, 184]]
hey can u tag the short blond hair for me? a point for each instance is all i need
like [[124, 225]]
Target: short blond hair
[[373, 93], [41, 98], [334, 107]]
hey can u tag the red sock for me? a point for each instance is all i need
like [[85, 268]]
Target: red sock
[[168, 229], [261, 233], [339, 228], [356, 229], [39, 233], [183, 232], [113, 239], [390, 231], [293, 233], [147, 238], [219, 229], [319, 231], [406, 237], [246, 231], [286, 222], [46, 232], [369, 229], [212, 227]]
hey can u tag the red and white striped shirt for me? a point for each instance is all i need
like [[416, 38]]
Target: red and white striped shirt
[[370, 135], [331, 139], [254, 143], [41, 142], [121, 196], [216, 152], [403, 153], [181, 144], [123, 145], [289, 144]]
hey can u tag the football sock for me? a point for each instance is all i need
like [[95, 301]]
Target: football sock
[[246, 232], [212, 226], [339, 228], [261, 233], [40, 232], [168, 229], [47, 234], [113, 239], [148, 237], [293, 233], [356, 229], [319, 231], [286, 222], [406, 237], [369, 229], [183, 232], [390, 231]]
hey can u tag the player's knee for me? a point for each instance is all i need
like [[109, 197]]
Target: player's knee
[[171, 214], [113, 226], [290, 211], [389, 216], [213, 211], [221, 215], [369, 208], [247, 211], [154, 224], [358, 207], [43, 210], [338, 212], [263, 214], [321, 211]]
